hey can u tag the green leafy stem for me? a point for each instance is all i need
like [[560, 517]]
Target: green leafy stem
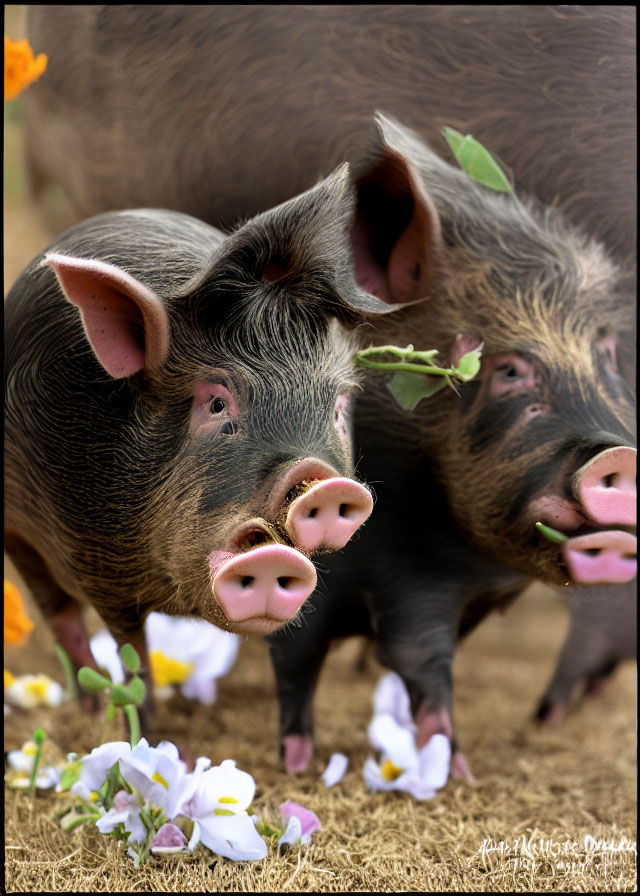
[[415, 375], [124, 696]]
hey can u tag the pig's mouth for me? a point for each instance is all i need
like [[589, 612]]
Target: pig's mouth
[[595, 556]]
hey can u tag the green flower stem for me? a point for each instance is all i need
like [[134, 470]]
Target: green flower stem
[[134, 723], [92, 816], [67, 666], [39, 738], [393, 366]]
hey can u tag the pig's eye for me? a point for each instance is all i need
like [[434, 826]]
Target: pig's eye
[[508, 372], [217, 406]]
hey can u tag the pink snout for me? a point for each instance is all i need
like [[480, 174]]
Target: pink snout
[[327, 515], [606, 487], [601, 557], [261, 589]]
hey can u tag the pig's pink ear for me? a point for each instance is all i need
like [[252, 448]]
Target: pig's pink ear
[[125, 322], [396, 231]]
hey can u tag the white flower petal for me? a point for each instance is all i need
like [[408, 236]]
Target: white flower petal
[[96, 765], [202, 689], [391, 696], [335, 770], [434, 761], [104, 649], [394, 741], [232, 836], [293, 831], [20, 761]]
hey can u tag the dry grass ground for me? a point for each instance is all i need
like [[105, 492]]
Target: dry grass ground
[[539, 792]]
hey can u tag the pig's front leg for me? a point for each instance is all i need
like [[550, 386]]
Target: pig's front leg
[[297, 662], [61, 611], [420, 650], [602, 633]]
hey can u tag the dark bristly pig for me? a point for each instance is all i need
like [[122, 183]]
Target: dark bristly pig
[[277, 101], [176, 416], [545, 433]]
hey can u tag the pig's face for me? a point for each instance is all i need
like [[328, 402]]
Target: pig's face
[[546, 431], [224, 413], [263, 467]]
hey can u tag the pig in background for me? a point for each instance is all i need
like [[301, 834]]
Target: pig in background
[[544, 433], [550, 90], [179, 440]]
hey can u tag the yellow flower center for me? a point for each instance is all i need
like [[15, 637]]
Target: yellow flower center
[[228, 799], [8, 678], [158, 777], [38, 688], [166, 671], [389, 771], [223, 812], [93, 797]]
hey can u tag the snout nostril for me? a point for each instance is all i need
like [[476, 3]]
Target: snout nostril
[[312, 512], [343, 510], [592, 552], [284, 581], [608, 481], [246, 581]]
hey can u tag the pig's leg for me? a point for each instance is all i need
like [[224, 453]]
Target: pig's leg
[[423, 659], [61, 611], [602, 633], [297, 663]]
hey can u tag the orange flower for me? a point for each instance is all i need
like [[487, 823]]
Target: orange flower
[[20, 67], [17, 624]]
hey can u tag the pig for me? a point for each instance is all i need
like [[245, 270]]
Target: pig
[[551, 91], [177, 416], [544, 433]]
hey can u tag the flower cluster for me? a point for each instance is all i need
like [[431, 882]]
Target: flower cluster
[[190, 653], [20, 67], [392, 732], [29, 691], [145, 797]]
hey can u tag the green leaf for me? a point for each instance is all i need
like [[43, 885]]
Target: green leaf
[[409, 388], [69, 775], [129, 657], [469, 365], [91, 680], [67, 666], [477, 161], [552, 534], [137, 689], [120, 695]]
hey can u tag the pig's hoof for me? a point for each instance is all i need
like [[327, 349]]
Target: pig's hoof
[[551, 713], [460, 768], [298, 750]]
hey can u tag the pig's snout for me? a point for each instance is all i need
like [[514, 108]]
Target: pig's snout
[[606, 487], [606, 490], [258, 591], [327, 515]]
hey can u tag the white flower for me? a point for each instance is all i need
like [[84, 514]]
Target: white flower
[[392, 732], [125, 810], [160, 776], [218, 809], [94, 767], [191, 653], [20, 767], [335, 769], [29, 691]]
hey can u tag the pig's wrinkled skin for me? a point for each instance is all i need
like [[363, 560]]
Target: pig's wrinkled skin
[[154, 433], [550, 90], [462, 480]]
